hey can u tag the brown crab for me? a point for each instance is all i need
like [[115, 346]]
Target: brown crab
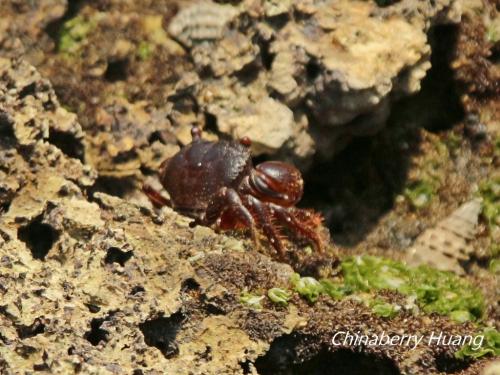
[[216, 183]]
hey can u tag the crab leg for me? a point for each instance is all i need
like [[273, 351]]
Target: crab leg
[[229, 199], [155, 197], [265, 223], [291, 221]]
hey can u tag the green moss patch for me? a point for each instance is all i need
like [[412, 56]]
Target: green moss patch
[[145, 50], [435, 291], [432, 290], [73, 33], [252, 301], [490, 192], [490, 346]]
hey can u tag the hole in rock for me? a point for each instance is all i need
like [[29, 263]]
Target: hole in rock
[[313, 69], [279, 21], [339, 189], [93, 308], [246, 367], [27, 90], [116, 71], [4, 207], [38, 237], [137, 289], [96, 333], [41, 367], [116, 255], [190, 285], [437, 104], [6, 128], [210, 122], [340, 362], [36, 328], [449, 364], [162, 136], [67, 143], [282, 358], [116, 186], [25, 351], [266, 55], [162, 332], [386, 3]]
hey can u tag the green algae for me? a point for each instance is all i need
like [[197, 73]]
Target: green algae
[[334, 289], [420, 193], [252, 301], [279, 296], [145, 50], [384, 309], [490, 192], [436, 291], [73, 33], [307, 287], [490, 346]]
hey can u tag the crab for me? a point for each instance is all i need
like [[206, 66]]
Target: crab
[[216, 184]]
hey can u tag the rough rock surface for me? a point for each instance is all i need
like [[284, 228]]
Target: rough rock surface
[[328, 71], [101, 285], [338, 65]]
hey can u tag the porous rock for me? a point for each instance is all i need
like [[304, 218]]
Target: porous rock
[[341, 62], [91, 283]]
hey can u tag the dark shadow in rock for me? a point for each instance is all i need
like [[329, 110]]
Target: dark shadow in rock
[[36, 328], [29, 89], [246, 367], [93, 308], [41, 367], [7, 136], [266, 56], [449, 364], [96, 333], [67, 143], [162, 332], [210, 122], [439, 103], [4, 207], [116, 186], [136, 290], [190, 285], [116, 71], [25, 351], [279, 21], [340, 362], [116, 255], [38, 237], [386, 3], [313, 69], [361, 183]]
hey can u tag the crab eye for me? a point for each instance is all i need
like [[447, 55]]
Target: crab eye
[[277, 182]]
